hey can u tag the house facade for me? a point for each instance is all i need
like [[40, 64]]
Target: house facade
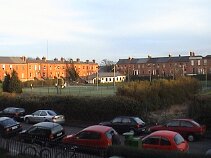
[[165, 66], [29, 69]]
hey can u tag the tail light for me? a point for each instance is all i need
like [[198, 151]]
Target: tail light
[[138, 125]]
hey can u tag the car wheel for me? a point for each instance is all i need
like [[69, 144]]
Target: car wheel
[[27, 120], [191, 137]]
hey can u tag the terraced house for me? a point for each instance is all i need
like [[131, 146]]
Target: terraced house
[[29, 69], [166, 66]]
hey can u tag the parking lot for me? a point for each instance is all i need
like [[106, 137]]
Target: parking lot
[[197, 147]]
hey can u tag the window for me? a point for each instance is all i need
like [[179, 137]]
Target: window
[[36, 113], [192, 62], [173, 124], [35, 67], [117, 120], [199, 62], [10, 67], [88, 135], [205, 62], [151, 140], [126, 120], [164, 141], [178, 139], [3, 66], [186, 124], [43, 113]]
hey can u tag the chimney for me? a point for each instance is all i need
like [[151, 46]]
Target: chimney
[[71, 60], [62, 59], [87, 61], [149, 56], [93, 60], [55, 59], [44, 58], [169, 55], [37, 58], [191, 54], [78, 60], [23, 58]]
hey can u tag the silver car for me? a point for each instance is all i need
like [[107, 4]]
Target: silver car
[[44, 116]]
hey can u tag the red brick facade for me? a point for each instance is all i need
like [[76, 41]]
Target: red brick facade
[[165, 66], [29, 69]]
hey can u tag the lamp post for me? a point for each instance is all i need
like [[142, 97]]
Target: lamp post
[[114, 74]]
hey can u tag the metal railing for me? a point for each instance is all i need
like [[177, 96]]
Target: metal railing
[[16, 148]]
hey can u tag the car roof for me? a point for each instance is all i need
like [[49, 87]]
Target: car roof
[[128, 116], [47, 124], [98, 128], [13, 108], [4, 118], [187, 119], [164, 133]]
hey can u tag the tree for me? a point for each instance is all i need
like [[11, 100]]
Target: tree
[[6, 83], [107, 65], [14, 83], [73, 75]]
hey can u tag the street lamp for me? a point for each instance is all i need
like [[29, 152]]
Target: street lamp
[[114, 74]]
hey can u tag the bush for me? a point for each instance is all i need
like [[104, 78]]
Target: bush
[[89, 109], [160, 93]]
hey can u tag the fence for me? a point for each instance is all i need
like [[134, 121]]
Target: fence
[[16, 148], [73, 90]]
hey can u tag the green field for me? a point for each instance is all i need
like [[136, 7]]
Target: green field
[[73, 90]]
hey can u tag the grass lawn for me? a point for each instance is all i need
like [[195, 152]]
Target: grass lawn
[[73, 90]]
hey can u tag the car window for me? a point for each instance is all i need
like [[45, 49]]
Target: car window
[[164, 141], [32, 130], [6, 110], [20, 110], [178, 139], [195, 123], [126, 120], [186, 124], [117, 120], [8, 122], [36, 113], [88, 135], [43, 113], [51, 113], [11, 110], [151, 140], [138, 120], [56, 129], [174, 123]]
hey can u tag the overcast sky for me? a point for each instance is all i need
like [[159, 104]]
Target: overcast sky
[[104, 29]]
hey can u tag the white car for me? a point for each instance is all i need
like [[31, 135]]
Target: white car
[[44, 116]]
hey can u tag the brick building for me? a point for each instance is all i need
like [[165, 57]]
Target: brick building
[[29, 69], [166, 66]]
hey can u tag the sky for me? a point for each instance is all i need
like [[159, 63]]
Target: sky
[[104, 29]]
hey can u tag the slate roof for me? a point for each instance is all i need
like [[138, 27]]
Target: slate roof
[[11, 60]]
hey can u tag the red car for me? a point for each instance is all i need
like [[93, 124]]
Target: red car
[[165, 140], [96, 136], [188, 128]]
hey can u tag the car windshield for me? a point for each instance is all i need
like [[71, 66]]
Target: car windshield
[[8, 122], [178, 139], [138, 120], [51, 113]]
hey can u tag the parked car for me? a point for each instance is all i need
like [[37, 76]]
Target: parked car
[[124, 124], [9, 127], [44, 116], [188, 128], [96, 136], [44, 133], [165, 140], [13, 112]]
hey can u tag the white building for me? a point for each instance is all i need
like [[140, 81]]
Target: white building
[[106, 77]]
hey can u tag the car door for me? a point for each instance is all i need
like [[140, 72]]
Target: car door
[[116, 124], [173, 125], [126, 125], [35, 116], [43, 116], [165, 144], [186, 127], [151, 143]]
